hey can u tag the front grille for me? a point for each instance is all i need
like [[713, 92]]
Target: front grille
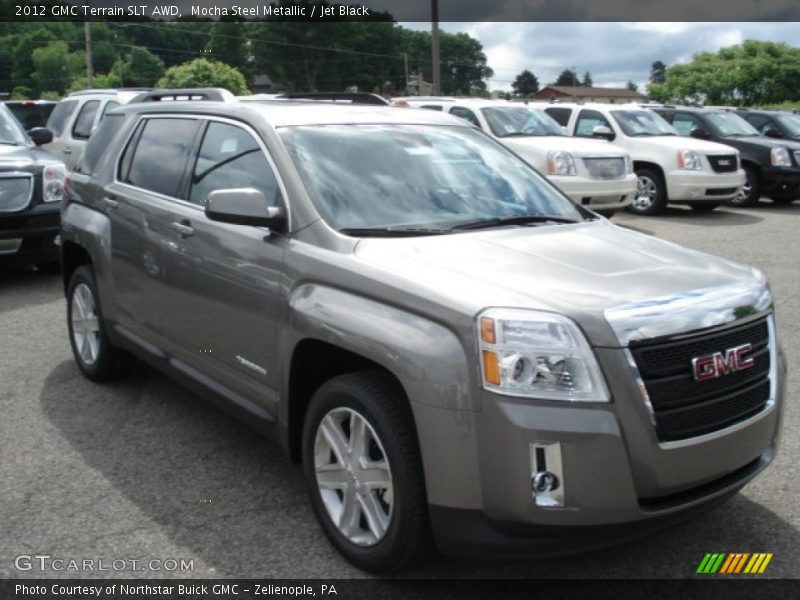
[[724, 163], [684, 407], [15, 192], [606, 168]]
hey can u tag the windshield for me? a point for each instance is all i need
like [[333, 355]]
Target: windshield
[[727, 124], [791, 123], [635, 123], [507, 121], [415, 177], [10, 130]]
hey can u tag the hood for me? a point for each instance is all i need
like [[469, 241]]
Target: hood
[[680, 142], [23, 157], [578, 147], [582, 270], [763, 142]]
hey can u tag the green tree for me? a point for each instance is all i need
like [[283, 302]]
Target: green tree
[[632, 86], [587, 80], [658, 72], [54, 66], [567, 77], [99, 81], [748, 74], [229, 44], [525, 84], [138, 68], [202, 72]]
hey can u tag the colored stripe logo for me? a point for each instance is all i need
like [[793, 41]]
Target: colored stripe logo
[[734, 563]]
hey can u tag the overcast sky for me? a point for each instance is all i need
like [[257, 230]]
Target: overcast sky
[[614, 53]]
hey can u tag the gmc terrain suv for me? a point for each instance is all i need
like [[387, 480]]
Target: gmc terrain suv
[[446, 342], [31, 186], [594, 173], [772, 166], [669, 168]]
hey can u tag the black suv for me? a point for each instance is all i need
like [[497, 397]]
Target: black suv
[[31, 187], [773, 123], [772, 166]]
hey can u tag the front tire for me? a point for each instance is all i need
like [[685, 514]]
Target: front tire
[[650, 197], [750, 192], [96, 357], [363, 467]]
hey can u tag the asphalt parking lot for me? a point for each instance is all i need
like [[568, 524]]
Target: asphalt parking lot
[[142, 469]]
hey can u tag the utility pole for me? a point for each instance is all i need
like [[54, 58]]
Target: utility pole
[[405, 67], [437, 84], [87, 37]]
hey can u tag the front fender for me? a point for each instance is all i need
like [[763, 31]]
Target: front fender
[[91, 230]]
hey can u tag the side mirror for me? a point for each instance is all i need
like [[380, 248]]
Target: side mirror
[[603, 132], [243, 206], [700, 134], [40, 135], [771, 132]]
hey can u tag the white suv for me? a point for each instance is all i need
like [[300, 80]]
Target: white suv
[[593, 173], [669, 168], [77, 116]]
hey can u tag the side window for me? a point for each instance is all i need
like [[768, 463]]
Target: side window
[[98, 144], [685, 124], [761, 123], [230, 157], [83, 123], [587, 121], [110, 105], [466, 114], [60, 115], [160, 155], [560, 115]]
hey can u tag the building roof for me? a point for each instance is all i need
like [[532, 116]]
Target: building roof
[[594, 92]]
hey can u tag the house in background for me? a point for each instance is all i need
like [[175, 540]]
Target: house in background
[[569, 93]]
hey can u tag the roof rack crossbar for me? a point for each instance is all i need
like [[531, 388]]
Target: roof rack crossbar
[[179, 94], [354, 97]]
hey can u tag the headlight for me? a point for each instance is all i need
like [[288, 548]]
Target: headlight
[[779, 157], [560, 163], [689, 160], [53, 183], [628, 165], [536, 354]]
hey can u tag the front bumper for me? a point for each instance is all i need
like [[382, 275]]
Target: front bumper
[[30, 235], [778, 182], [598, 193], [619, 482], [691, 186]]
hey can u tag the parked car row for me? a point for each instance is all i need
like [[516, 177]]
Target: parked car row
[[452, 348]]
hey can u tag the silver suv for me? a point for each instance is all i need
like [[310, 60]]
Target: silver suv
[[447, 343]]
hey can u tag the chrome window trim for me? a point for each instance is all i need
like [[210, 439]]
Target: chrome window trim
[[203, 118], [706, 437], [19, 175]]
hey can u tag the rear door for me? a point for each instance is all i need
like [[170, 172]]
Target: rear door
[[140, 206], [226, 278]]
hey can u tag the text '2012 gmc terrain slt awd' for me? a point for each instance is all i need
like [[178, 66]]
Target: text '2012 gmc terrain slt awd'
[[447, 343]]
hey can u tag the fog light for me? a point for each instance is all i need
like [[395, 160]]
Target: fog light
[[547, 474]]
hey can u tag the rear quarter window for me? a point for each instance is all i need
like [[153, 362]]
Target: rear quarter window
[[99, 144], [59, 117]]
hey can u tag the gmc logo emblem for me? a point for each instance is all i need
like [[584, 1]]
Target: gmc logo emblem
[[715, 365], [725, 163]]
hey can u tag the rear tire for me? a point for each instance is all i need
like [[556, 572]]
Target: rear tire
[[376, 517], [96, 357], [750, 192], [650, 197], [784, 201], [703, 206]]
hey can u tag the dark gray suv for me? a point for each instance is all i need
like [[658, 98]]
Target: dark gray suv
[[446, 342]]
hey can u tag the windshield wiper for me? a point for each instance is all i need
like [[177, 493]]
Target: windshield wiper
[[391, 231], [516, 220]]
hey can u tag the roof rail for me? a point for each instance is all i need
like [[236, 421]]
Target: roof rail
[[178, 94], [109, 91], [354, 97]]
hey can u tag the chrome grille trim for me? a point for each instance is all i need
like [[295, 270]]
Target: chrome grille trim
[[16, 200]]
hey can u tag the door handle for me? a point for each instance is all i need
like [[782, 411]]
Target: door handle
[[183, 228], [66, 150], [110, 203]]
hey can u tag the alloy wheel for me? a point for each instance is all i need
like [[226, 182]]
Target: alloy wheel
[[646, 193], [85, 324]]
